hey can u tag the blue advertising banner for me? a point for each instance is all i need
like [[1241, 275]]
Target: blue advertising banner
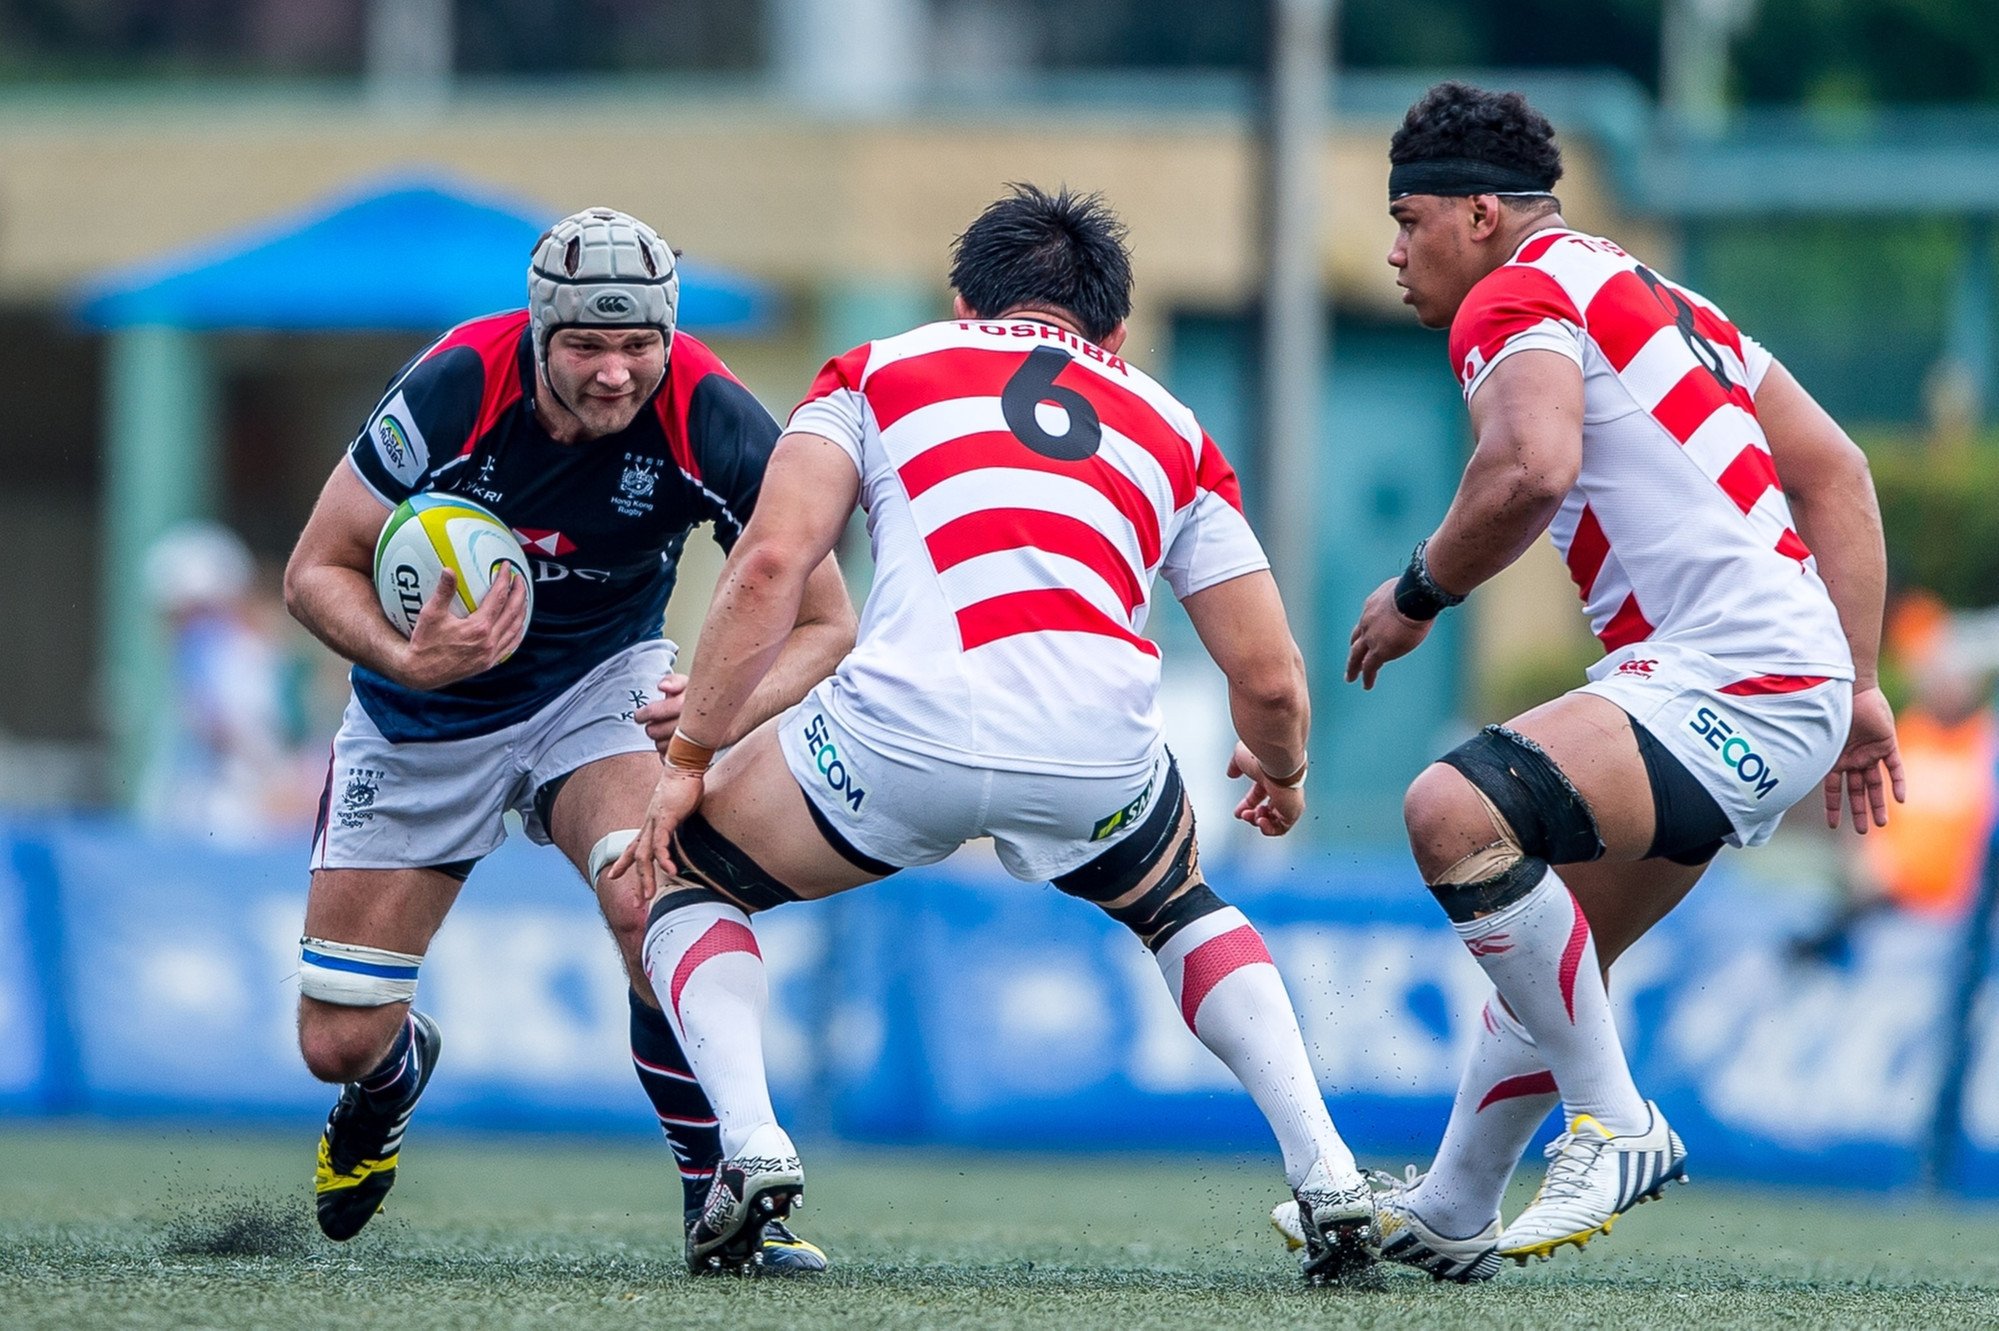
[[956, 1006], [25, 1054]]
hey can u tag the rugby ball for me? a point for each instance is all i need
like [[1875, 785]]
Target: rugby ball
[[429, 533]]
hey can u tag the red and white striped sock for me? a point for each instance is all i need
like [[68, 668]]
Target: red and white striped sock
[[1540, 956], [1505, 1093], [1234, 1001], [706, 970]]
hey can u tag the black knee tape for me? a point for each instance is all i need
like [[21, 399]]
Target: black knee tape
[[1117, 870], [710, 860], [1197, 902], [1170, 904], [1550, 820], [1143, 916], [1468, 901], [679, 898]]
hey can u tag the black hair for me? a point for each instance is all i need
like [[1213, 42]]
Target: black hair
[[1060, 253], [1454, 119]]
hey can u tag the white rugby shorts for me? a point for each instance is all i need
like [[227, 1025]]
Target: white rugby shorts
[[1757, 743], [415, 805], [907, 808]]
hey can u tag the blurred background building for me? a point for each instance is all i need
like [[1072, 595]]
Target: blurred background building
[[225, 223], [1825, 172]]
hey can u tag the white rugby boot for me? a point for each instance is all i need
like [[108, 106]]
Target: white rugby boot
[[1403, 1236], [1335, 1225], [1284, 1219], [1593, 1178]]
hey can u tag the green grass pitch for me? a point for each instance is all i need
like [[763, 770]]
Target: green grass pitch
[[209, 1227]]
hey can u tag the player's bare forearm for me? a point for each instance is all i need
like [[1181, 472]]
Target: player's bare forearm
[[1242, 624], [1274, 723], [328, 583], [1843, 530], [755, 606], [1831, 491], [817, 643], [1528, 419], [338, 606], [330, 588]]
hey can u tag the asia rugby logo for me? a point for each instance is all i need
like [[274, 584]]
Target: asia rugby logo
[[399, 440], [395, 442]]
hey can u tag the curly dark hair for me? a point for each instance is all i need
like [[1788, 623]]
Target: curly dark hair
[[1455, 119], [1056, 252]]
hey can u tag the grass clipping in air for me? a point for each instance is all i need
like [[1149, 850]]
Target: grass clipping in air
[[241, 1225]]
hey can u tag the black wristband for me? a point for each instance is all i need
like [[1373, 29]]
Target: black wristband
[[1417, 595]]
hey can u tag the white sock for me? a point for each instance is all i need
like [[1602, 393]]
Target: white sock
[[1505, 1093], [706, 970], [1542, 959], [1233, 1000]]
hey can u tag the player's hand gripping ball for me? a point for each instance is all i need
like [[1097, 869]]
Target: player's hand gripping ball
[[429, 533]]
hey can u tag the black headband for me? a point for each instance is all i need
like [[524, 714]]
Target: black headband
[[1458, 176]]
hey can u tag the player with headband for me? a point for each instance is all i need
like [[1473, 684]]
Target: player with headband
[[602, 437], [1722, 531]]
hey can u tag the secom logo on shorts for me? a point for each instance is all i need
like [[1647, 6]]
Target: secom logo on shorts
[[1121, 818], [826, 758], [1749, 766]]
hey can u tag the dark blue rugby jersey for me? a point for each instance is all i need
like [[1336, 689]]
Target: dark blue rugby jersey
[[603, 522]]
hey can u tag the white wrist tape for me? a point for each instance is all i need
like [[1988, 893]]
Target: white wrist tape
[[608, 848], [355, 976]]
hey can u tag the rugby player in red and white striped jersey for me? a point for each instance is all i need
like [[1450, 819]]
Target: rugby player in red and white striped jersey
[[1024, 484], [1723, 533]]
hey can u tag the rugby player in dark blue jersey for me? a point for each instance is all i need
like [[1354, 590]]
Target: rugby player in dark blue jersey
[[602, 438]]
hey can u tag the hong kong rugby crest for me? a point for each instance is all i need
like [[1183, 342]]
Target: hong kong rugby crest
[[636, 485], [357, 801]]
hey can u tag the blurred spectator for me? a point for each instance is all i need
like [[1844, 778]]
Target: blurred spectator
[[228, 766], [1927, 861]]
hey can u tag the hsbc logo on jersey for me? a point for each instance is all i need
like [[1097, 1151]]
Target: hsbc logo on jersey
[[547, 570], [551, 543]]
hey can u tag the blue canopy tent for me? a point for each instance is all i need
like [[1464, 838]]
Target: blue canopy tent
[[396, 255], [404, 254]]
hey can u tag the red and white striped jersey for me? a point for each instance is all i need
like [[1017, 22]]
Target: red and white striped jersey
[[1023, 487], [1677, 529]]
